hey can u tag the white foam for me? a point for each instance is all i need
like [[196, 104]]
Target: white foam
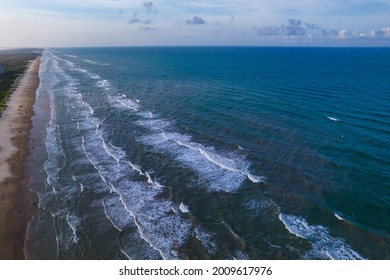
[[73, 222], [174, 208], [323, 244], [123, 102], [135, 248], [255, 178], [239, 255], [152, 181], [145, 115], [154, 124], [149, 178], [66, 224], [90, 61], [116, 213], [71, 65], [259, 207], [86, 72], [156, 224], [219, 172], [93, 163], [89, 107], [207, 239], [94, 76], [332, 119], [50, 75], [103, 84], [54, 150], [184, 208], [81, 70], [128, 103], [338, 217]]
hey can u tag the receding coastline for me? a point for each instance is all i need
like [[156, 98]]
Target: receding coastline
[[15, 126]]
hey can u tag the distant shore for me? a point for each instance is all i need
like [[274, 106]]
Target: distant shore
[[15, 126]]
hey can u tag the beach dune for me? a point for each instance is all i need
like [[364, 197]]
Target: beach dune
[[15, 125]]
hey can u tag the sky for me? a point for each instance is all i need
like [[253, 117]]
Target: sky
[[84, 23]]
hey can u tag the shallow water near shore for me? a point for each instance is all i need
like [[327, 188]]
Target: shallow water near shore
[[212, 153]]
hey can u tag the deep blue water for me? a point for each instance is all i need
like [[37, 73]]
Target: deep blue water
[[221, 153]]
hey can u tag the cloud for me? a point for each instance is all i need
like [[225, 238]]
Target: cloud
[[314, 30], [267, 31], [383, 33], [347, 34], [344, 34], [329, 33], [148, 5], [134, 19], [195, 20], [294, 28], [311, 25]]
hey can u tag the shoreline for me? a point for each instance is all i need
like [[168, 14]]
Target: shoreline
[[15, 127]]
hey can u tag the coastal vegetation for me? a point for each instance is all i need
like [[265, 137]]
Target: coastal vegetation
[[13, 63]]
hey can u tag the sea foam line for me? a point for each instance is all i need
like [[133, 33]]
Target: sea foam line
[[332, 119], [219, 173], [209, 157], [149, 178], [119, 221], [113, 178], [323, 245], [140, 228], [73, 222], [112, 189]]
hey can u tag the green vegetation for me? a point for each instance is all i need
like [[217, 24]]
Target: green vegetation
[[13, 63]]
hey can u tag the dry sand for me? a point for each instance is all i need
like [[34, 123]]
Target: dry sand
[[15, 125]]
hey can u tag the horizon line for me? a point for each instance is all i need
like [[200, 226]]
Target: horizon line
[[193, 46]]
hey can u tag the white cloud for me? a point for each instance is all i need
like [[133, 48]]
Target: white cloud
[[344, 34], [382, 33]]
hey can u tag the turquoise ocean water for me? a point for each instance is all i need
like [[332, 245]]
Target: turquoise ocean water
[[213, 153]]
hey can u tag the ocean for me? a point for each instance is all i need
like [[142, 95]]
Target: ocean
[[212, 153]]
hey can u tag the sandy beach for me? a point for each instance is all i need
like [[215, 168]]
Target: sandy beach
[[15, 125]]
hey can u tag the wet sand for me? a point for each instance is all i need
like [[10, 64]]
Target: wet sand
[[15, 199]]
